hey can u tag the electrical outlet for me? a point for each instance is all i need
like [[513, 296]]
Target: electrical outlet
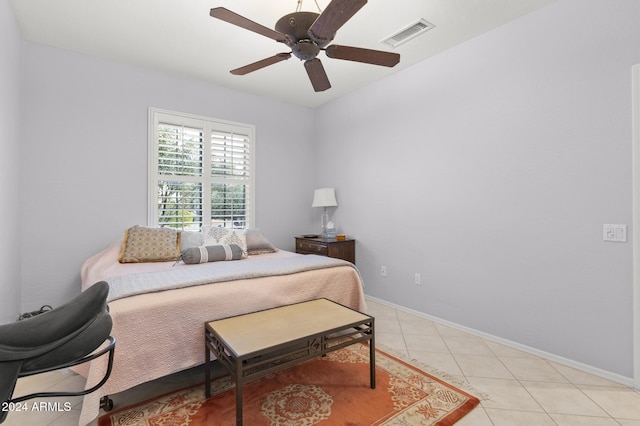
[[417, 279], [616, 233], [383, 271]]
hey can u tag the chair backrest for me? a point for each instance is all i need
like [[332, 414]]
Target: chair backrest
[[43, 333]]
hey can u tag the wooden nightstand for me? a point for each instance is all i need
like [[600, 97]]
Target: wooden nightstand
[[345, 249]]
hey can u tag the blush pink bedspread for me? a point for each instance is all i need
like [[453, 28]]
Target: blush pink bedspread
[[162, 333]]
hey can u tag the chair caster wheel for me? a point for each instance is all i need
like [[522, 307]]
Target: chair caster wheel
[[106, 403]]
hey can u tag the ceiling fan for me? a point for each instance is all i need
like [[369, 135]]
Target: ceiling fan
[[307, 33]]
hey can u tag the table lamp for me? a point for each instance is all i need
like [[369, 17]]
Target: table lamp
[[324, 197]]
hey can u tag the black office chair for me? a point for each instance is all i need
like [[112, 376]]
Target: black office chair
[[60, 338]]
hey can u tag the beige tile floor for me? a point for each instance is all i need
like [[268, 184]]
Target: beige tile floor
[[517, 388]]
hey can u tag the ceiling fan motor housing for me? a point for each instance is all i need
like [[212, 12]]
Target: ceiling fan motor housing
[[296, 25], [305, 50]]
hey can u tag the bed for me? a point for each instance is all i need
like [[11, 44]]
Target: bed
[[160, 331]]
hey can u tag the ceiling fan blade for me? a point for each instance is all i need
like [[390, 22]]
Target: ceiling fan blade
[[317, 75], [368, 56], [242, 22], [261, 64], [334, 16]]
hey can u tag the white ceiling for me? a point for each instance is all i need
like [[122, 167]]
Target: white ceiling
[[179, 36]]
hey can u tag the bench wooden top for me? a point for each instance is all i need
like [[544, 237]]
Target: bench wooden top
[[250, 333]]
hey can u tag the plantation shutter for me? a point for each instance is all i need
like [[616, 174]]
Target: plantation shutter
[[180, 176], [201, 172], [231, 176]]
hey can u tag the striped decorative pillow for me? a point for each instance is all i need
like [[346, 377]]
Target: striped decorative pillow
[[204, 254]]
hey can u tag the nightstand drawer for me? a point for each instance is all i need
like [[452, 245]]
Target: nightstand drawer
[[313, 247], [343, 249]]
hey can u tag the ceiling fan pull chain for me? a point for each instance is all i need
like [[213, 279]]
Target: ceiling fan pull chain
[[299, 7]]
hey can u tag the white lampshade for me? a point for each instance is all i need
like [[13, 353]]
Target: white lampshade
[[324, 197]]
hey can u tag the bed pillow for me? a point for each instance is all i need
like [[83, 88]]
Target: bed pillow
[[215, 253], [142, 244], [257, 243], [215, 235]]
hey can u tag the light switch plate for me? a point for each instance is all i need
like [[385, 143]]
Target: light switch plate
[[615, 233]]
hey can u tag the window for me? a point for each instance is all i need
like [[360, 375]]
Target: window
[[201, 172]]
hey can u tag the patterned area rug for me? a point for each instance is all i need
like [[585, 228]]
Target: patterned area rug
[[333, 390]]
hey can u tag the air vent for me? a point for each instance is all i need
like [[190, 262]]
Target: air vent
[[406, 34]]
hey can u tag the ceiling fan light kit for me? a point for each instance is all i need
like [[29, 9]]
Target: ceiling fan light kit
[[307, 33]]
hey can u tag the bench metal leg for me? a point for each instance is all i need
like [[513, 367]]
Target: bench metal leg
[[238, 393], [372, 356], [207, 368]]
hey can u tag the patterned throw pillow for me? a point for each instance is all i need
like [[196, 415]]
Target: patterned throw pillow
[[215, 235], [190, 239], [149, 245]]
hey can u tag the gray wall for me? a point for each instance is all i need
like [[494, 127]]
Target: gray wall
[[490, 170], [84, 160], [10, 67]]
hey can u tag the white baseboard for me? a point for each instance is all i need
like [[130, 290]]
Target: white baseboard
[[617, 378]]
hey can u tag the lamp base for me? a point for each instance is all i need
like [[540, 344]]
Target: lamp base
[[324, 221]]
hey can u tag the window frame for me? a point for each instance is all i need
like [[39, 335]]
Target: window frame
[[208, 125]]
